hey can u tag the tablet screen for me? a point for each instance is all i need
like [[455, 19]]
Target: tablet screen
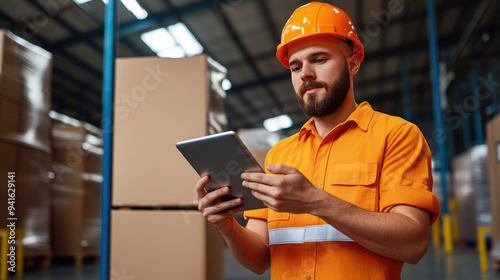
[[224, 158]]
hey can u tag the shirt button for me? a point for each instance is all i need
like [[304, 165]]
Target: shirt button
[[308, 277]]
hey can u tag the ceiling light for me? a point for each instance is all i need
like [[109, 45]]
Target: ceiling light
[[185, 38], [79, 2], [135, 8], [131, 5], [174, 41], [226, 84], [174, 52], [158, 39], [278, 123]]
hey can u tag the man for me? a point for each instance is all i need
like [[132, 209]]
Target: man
[[349, 196]]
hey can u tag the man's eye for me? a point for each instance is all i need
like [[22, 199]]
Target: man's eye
[[320, 60], [295, 68]]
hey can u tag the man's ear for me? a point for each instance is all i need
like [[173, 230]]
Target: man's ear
[[353, 64]]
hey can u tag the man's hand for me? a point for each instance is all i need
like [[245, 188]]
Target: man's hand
[[248, 245], [286, 190], [219, 213]]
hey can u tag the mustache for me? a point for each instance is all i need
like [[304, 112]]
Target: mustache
[[311, 84]]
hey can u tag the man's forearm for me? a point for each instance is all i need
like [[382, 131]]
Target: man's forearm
[[401, 234], [246, 246]]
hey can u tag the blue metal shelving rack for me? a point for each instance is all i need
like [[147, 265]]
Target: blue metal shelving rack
[[110, 39], [438, 120]]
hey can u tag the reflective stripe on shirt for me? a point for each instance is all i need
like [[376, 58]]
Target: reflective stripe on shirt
[[317, 233]]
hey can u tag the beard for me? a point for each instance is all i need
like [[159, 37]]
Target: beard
[[335, 95]]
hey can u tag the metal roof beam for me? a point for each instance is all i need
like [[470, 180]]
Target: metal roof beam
[[63, 23], [251, 63], [94, 15], [269, 22], [134, 26], [46, 45]]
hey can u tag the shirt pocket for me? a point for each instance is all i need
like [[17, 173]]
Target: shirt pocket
[[277, 216], [355, 183]]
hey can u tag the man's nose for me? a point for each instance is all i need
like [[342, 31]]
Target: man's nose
[[307, 73]]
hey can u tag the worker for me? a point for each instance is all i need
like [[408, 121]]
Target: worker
[[350, 195]]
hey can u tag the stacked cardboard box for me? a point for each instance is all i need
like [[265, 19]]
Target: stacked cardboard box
[[493, 142], [25, 77], [76, 188], [158, 102]]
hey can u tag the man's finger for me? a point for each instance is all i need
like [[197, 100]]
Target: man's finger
[[258, 187], [282, 169], [200, 186], [213, 196], [221, 207], [267, 200]]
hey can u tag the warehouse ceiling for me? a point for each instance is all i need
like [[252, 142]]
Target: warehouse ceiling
[[242, 35]]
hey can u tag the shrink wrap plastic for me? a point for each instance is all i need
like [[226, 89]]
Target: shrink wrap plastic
[[25, 92]]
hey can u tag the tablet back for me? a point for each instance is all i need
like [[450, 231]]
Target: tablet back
[[224, 157]]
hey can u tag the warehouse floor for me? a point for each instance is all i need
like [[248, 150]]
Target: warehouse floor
[[461, 264]]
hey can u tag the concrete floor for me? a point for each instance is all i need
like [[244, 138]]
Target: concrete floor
[[461, 264]]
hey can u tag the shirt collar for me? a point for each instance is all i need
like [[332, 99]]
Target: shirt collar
[[361, 116]]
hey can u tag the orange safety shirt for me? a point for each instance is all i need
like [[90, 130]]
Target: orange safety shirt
[[372, 160]]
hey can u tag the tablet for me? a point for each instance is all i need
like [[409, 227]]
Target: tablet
[[224, 157]]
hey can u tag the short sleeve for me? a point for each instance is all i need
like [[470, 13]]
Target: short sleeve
[[256, 214], [406, 174]]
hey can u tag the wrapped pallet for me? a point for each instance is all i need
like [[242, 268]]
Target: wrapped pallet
[[32, 195], [25, 93], [76, 188], [471, 191]]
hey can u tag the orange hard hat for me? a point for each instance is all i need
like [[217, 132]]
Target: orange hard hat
[[314, 19]]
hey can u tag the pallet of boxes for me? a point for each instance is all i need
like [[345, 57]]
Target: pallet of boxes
[[25, 98], [76, 189], [156, 230]]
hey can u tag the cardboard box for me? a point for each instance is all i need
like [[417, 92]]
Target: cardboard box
[[76, 146], [151, 244], [158, 102], [493, 142], [76, 217], [67, 130]]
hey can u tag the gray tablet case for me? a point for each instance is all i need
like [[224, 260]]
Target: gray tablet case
[[224, 157]]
